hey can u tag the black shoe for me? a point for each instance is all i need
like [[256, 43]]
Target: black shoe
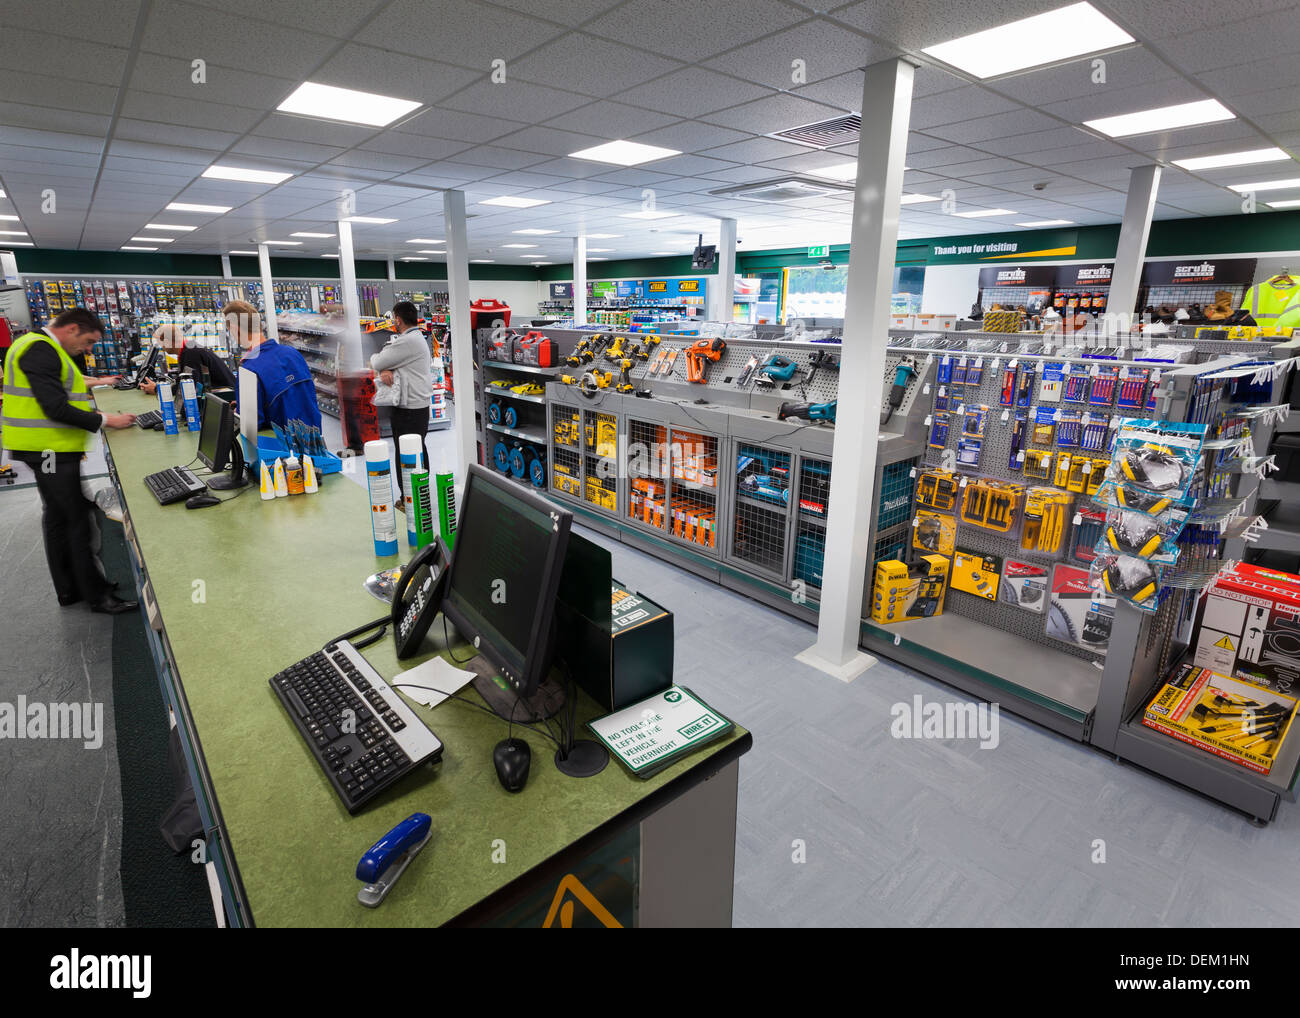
[[67, 602], [111, 605]]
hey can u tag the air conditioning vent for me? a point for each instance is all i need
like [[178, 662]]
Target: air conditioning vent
[[825, 133], [785, 189]]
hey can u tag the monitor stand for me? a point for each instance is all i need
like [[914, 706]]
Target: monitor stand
[[501, 699], [237, 478]]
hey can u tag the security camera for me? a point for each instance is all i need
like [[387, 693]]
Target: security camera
[[1041, 186]]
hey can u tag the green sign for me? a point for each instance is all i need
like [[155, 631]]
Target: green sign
[[992, 248], [647, 736], [819, 251]]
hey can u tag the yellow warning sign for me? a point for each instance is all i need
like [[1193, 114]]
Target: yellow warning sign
[[563, 909], [1226, 644]]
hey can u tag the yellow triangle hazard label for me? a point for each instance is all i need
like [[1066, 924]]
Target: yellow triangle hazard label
[[562, 906], [1226, 644]]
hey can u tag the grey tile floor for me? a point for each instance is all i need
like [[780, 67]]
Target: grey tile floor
[[890, 831]]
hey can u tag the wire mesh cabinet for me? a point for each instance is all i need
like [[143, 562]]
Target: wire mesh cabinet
[[672, 477], [760, 525]]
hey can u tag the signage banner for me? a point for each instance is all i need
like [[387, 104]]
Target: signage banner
[[992, 247], [660, 288], [630, 288], [561, 291], [1094, 274], [1200, 271], [1017, 275]]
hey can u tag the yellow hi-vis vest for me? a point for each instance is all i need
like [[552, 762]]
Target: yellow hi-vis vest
[[1273, 309], [25, 426]]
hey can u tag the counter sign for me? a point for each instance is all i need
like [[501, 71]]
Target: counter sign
[[650, 735]]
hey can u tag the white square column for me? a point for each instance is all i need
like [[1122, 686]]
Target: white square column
[[1134, 229], [462, 353], [723, 299], [579, 282], [269, 327], [882, 145]]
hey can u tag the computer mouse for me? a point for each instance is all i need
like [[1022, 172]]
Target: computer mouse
[[512, 757], [201, 501], [159, 426]]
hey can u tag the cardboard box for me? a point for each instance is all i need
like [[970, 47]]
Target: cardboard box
[[902, 321], [975, 573], [1233, 719], [935, 321], [1248, 627], [903, 592]]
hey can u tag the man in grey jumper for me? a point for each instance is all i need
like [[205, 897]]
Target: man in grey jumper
[[406, 360]]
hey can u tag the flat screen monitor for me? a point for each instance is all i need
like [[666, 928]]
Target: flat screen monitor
[[147, 366], [504, 574], [216, 428]]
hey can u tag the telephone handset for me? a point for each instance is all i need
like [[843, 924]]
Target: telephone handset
[[418, 596]]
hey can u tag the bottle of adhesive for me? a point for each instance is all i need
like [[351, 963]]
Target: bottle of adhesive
[[446, 494], [293, 475], [409, 449], [422, 508], [267, 484], [310, 484], [379, 479], [281, 482]]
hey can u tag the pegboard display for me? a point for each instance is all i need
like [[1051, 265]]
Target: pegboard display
[[762, 505], [1186, 295]]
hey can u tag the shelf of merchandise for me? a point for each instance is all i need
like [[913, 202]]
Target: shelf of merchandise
[[526, 435]]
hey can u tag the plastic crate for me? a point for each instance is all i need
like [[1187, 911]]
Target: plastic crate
[[269, 448]]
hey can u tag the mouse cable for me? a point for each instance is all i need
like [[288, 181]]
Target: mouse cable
[[477, 706]]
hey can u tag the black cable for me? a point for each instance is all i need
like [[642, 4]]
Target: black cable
[[447, 637], [375, 624], [476, 706]]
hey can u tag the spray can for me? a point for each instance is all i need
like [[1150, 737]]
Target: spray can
[[409, 448], [421, 510], [446, 495], [167, 407], [379, 479]]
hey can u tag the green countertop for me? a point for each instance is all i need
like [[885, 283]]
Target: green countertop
[[247, 588]]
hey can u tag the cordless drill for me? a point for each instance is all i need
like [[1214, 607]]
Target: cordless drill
[[809, 411], [700, 351]]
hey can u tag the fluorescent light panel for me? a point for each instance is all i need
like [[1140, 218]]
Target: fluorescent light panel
[[321, 235], [647, 214], [1063, 34], [247, 176], [10, 219], [916, 199], [128, 247], [536, 233], [243, 252], [624, 153], [518, 245], [170, 226], [181, 206], [425, 240], [282, 243], [413, 258], [155, 240], [329, 102], [18, 243], [369, 219], [482, 261], [426, 250], [1290, 203], [1049, 222], [1266, 185], [603, 236], [1257, 155], [1165, 118], [13, 233], [512, 201], [981, 213]]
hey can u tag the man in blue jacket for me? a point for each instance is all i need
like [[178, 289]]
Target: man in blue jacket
[[285, 389]]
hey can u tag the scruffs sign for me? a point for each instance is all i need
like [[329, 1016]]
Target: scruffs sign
[[1220, 271]]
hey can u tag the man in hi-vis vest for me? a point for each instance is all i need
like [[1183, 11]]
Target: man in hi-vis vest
[[48, 423]]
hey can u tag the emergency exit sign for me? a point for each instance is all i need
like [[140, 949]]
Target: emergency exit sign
[[819, 251]]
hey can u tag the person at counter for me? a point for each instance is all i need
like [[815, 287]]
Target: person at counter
[[285, 389], [405, 362], [191, 358], [47, 423]]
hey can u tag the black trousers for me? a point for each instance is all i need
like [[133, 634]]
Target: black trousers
[[409, 422], [70, 530]]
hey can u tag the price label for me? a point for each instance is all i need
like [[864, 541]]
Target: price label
[[912, 473], [943, 390], [1020, 456], [1078, 519], [1006, 416], [1014, 362], [925, 389], [997, 363], [961, 409], [927, 422], [963, 483]]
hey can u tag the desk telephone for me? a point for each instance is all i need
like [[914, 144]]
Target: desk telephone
[[417, 598]]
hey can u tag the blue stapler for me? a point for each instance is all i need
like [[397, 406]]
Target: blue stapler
[[388, 857]]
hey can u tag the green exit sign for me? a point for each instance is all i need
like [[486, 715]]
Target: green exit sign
[[820, 251]]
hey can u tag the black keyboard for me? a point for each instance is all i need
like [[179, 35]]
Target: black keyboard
[[148, 419], [363, 735], [175, 484]]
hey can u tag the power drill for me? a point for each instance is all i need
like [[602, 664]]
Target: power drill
[[697, 353], [809, 411], [903, 375]]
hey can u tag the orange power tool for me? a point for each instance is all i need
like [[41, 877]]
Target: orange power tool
[[700, 351]]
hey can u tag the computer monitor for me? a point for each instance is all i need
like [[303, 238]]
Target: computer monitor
[[214, 440], [504, 574], [146, 368]]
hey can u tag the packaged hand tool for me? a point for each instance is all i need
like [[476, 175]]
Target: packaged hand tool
[[1094, 435], [944, 375], [973, 425], [959, 372], [941, 400], [1101, 389], [1089, 526], [1061, 473], [1132, 390], [1076, 388], [937, 489], [1044, 429], [1045, 526], [976, 573], [1049, 389], [991, 504], [1008, 397], [1068, 427], [1025, 390], [968, 451], [1038, 464], [933, 532], [939, 431], [1019, 427], [975, 371]]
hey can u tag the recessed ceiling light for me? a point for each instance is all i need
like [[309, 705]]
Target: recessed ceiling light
[[1257, 155], [331, 103], [624, 153], [369, 219], [282, 243], [981, 213], [180, 206], [532, 256], [243, 252], [916, 199], [1166, 118], [10, 219], [1049, 222], [426, 250], [19, 243], [482, 261], [128, 247], [13, 233], [248, 176], [1042, 39], [597, 259], [329, 256], [603, 236], [599, 250], [647, 214], [518, 245], [512, 201], [170, 226], [1267, 185], [663, 254], [425, 240], [1290, 203], [311, 235], [536, 233], [2, 194], [543, 263], [155, 240], [840, 171], [413, 258]]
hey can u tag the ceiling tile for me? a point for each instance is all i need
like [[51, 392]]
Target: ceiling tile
[[590, 65], [182, 112], [229, 40], [469, 34], [1259, 37], [826, 50], [368, 69], [611, 120], [720, 26], [56, 93], [339, 18], [775, 113], [920, 23], [512, 99], [957, 105], [114, 19], [692, 92], [757, 150], [690, 136], [990, 130]]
